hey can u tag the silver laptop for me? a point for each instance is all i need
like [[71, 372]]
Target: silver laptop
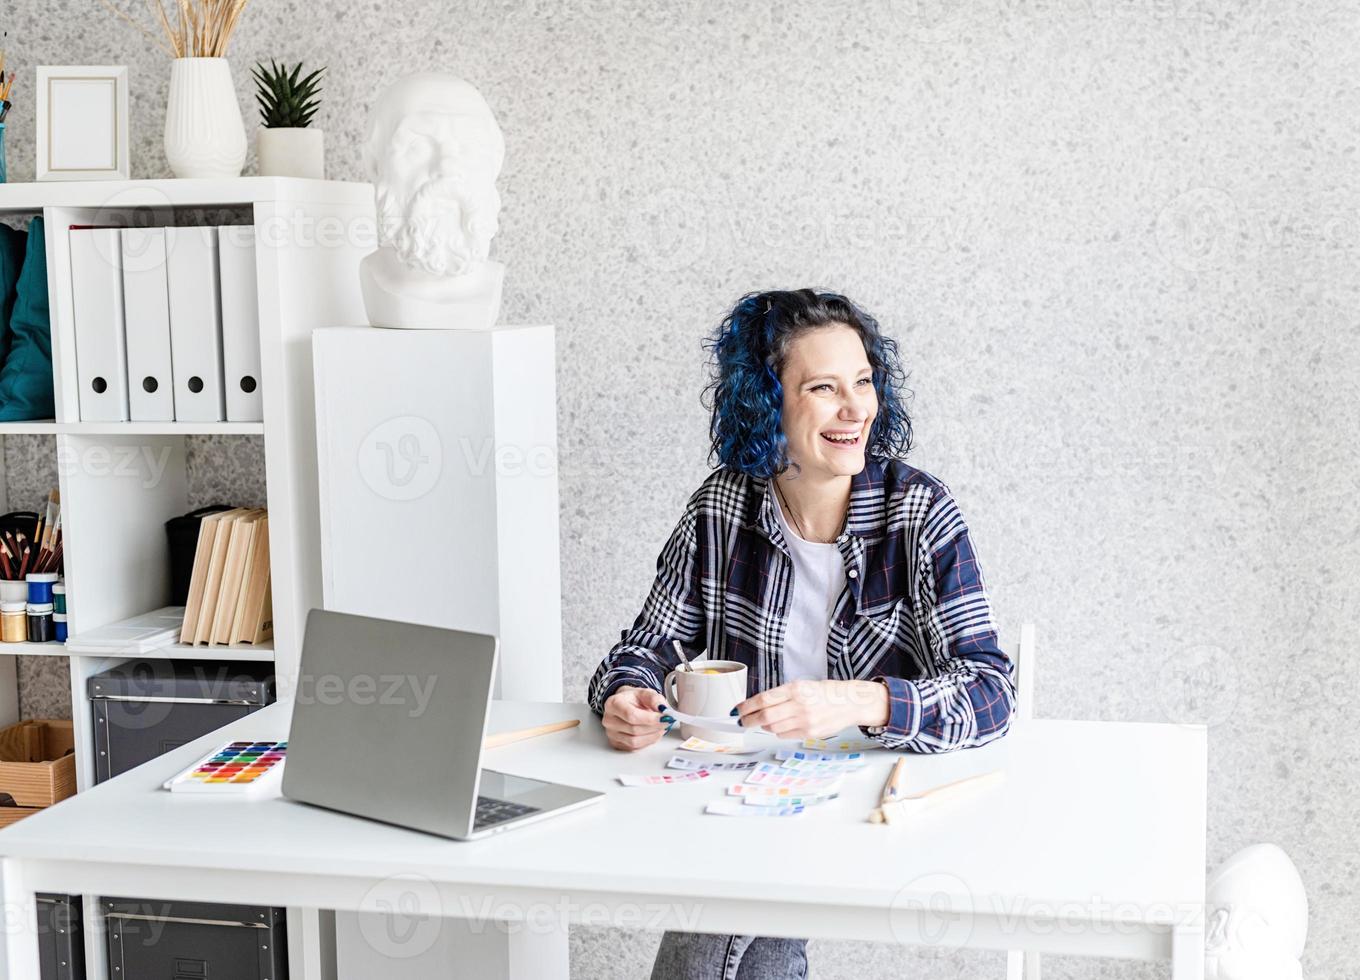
[[388, 722]]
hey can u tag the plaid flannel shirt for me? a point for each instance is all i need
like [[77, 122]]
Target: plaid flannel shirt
[[914, 612]]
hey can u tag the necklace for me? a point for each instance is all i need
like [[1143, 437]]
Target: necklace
[[798, 525]]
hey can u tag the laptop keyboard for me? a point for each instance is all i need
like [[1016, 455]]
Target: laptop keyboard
[[491, 812]]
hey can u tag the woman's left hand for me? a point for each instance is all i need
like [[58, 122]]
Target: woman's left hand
[[815, 709]]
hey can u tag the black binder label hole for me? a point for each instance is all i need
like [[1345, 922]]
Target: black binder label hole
[[247, 384], [99, 385], [195, 384], [150, 384]]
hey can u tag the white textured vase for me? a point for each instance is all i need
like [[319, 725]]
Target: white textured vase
[[204, 134]]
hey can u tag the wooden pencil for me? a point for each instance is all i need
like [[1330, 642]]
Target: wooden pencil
[[505, 738]]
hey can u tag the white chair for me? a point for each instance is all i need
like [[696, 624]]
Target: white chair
[[1020, 964], [1024, 674]]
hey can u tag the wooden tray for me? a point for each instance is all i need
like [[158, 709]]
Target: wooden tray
[[37, 762], [13, 814]]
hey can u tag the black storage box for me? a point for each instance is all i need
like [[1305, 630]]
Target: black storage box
[[145, 708], [182, 535], [61, 941], [192, 940]]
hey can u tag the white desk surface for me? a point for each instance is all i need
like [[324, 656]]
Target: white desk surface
[[1100, 821]]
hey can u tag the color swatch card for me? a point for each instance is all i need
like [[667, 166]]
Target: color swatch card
[[681, 777], [814, 767], [735, 808], [696, 744], [236, 769], [840, 744], [758, 792], [680, 762], [769, 774], [803, 801], [783, 755]]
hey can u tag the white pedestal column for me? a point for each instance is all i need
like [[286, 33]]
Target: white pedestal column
[[377, 945], [438, 487], [437, 457]]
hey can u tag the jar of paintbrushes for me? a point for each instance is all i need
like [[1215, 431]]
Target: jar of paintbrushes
[[30, 574]]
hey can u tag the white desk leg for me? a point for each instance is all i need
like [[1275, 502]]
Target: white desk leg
[[21, 923], [1022, 965], [311, 944], [371, 944], [1187, 952]]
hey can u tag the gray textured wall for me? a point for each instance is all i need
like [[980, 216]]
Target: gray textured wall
[[1116, 238]]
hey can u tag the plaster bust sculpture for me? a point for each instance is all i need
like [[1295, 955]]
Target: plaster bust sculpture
[[1255, 917], [433, 153]]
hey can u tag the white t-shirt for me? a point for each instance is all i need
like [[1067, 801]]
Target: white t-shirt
[[818, 580]]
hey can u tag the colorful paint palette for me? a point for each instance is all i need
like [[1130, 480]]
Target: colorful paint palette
[[238, 768]]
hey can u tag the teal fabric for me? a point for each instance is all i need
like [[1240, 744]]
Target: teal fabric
[[26, 378], [11, 261]]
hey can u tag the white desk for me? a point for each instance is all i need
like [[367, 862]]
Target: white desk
[[1093, 844]]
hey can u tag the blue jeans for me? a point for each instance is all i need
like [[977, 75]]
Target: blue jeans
[[706, 956]]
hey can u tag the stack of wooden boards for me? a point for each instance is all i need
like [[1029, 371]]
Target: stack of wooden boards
[[229, 600]]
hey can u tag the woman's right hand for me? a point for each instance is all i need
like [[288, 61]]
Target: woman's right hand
[[632, 720]]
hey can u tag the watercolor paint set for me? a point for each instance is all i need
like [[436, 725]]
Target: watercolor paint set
[[235, 769]]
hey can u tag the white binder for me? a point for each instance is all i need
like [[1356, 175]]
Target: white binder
[[195, 323], [240, 322], [146, 305], [97, 302]]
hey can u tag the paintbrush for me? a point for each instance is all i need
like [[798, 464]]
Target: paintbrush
[[892, 788], [56, 543], [49, 534], [899, 809], [49, 562], [38, 529], [53, 517], [54, 563]]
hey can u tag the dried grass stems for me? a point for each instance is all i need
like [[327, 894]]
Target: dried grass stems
[[193, 28]]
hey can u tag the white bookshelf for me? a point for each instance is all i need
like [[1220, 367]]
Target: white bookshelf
[[311, 235], [131, 428], [26, 649]]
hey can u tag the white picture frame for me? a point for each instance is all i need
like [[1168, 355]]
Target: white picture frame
[[82, 125]]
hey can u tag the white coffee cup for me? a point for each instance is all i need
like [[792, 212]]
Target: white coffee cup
[[712, 689]]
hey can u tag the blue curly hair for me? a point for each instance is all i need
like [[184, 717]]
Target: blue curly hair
[[746, 398]]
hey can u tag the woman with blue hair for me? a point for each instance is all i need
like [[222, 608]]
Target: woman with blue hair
[[843, 578]]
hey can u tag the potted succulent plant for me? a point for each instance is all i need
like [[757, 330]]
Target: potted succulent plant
[[287, 146]]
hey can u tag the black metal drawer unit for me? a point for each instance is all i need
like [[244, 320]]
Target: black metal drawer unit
[[145, 708], [61, 940], [194, 940]]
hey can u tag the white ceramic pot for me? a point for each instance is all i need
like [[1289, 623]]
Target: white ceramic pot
[[204, 134], [291, 151]]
